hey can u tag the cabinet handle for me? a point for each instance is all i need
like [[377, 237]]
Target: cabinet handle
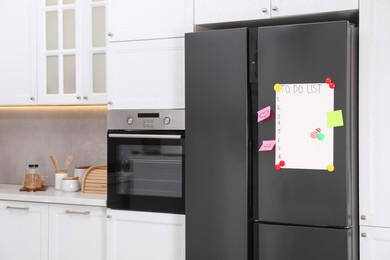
[[109, 216], [78, 212], [32, 98], [109, 102], [274, 8], [78, 97], [85, 97], [110, 34], [20, 208], [363, 217], [264, 10], [364, 234]]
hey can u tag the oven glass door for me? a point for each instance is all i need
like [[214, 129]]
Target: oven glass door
[[146, 171]]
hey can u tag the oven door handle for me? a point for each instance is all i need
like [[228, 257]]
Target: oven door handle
[[144, 136]]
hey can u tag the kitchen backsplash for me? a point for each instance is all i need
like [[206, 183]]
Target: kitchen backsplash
[[29, 135]]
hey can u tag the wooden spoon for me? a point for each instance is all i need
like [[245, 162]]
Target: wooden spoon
[[69, 160], [55, 162]]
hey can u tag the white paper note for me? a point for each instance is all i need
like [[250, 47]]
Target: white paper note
[[303, 140]]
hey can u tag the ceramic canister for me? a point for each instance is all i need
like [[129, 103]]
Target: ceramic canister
[[58, 179]]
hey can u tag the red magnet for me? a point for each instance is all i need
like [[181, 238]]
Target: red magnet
[[282, 163], [328, 80], [277, 167], [332, 85]]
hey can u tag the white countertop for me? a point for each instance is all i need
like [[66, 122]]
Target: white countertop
[[51, 195]]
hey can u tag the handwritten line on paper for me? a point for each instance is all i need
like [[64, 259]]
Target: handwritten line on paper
[[267, 145]]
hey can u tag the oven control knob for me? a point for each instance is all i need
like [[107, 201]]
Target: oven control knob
[[167, 120], [130, 120]]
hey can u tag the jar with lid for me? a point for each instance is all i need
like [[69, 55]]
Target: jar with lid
[[33, 169], [33, 179]]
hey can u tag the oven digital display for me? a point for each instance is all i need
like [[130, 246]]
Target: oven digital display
[[148, 115]]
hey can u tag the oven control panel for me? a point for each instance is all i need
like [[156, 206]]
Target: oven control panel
[[145, 119], [148, 123]]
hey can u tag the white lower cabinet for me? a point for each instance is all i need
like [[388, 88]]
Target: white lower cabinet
[[146, 74], [77, 232], [374, 243], [23, 230], [145, 236]]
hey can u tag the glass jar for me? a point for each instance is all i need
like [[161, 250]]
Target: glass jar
[[32, 179], [33, 169]]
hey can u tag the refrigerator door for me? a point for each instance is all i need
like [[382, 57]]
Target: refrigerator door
[[300, 54], [278, 242], [216, 145]]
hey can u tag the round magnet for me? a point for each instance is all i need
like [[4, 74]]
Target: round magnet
[[277, 87], [277, 167], [320, 136], [332, 85], [330, 167], [282, 163], [314, 134], [328, 80]]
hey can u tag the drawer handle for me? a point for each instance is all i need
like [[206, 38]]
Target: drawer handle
[[78, 212], [20, 208]]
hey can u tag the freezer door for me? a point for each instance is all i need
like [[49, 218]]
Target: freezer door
[[216, 145], [277, 242], [308, 53]]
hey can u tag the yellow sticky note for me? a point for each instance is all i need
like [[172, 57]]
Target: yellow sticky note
[[335, 118]]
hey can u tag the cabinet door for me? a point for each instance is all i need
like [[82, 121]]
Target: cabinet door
[[18, 52], [59, 52], [299, 7], [77, 232], [139, 19], [374, 243], [374, 109], [219, 11], [95, 44], [145, 236], [23, 230], [146, 74], [71, 52]]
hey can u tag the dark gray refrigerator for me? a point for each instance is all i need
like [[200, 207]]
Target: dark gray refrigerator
[[271, 143]]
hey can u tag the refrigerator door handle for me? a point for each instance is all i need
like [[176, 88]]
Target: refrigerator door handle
[[250, 174]]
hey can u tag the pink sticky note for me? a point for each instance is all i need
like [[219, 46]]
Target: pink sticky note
[[267, 145], [263, 113]]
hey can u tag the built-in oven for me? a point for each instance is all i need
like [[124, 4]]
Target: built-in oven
[[146, 160]]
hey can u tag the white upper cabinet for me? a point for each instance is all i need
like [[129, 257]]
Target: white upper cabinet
[[145, 53], [219, 11], [146, 74], [18, 52], [374, 110], [152, 19], [300, 7], [71, 52]]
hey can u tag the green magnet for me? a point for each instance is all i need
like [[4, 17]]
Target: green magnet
[[320, 136]]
